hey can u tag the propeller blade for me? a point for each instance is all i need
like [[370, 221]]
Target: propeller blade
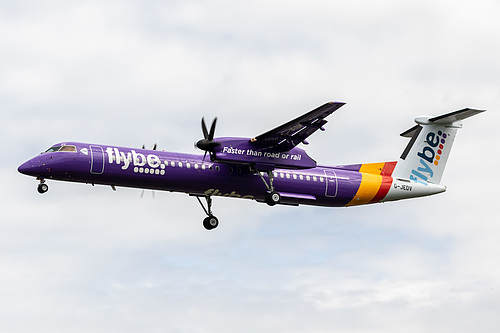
[[207, 143], [204, 128], [212, 129]]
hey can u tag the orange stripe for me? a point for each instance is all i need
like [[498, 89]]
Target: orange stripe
[[372, 168], [369, 187], [376, 182]]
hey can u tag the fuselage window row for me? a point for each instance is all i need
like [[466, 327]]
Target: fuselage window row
[[197, 166]]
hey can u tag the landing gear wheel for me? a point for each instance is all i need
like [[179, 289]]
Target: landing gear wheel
[[273, 198], [42, 188], [210, 222]]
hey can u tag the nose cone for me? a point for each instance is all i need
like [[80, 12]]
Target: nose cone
[[30, 168]]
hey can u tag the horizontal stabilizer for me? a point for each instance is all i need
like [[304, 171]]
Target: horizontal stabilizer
[[410, 133], [455, 116], [447, 118]]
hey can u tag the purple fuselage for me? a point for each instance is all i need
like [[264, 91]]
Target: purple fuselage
[[194, 174]]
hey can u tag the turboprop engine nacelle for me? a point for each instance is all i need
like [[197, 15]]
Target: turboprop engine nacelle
[[242, 151]]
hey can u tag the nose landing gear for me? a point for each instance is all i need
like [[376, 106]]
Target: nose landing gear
[[42, 187], [210, 222]]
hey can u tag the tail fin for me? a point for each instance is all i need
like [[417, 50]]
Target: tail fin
[[424, 159]]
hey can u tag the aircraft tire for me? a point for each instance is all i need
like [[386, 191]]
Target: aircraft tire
[[273, 198], [210, 222], [42, 188]]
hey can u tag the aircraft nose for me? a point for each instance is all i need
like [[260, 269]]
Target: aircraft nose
[[30, 168]]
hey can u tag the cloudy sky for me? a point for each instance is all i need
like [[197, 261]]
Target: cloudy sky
[[87, 259]]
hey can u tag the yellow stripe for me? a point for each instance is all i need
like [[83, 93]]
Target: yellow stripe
[[368, 188], [373, 168]]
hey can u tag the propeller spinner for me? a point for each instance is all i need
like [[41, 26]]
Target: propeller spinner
[[208, 143]]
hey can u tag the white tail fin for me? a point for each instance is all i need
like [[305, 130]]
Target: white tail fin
[[424, 159]]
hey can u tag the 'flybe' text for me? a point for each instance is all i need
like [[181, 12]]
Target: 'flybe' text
[[132, 157], [430, 157]]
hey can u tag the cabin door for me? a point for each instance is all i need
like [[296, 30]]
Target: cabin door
[[96, 160], [331, 183]]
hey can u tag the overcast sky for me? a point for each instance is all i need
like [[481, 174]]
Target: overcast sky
[[87, 259]]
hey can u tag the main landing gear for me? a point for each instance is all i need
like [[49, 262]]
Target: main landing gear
[[42, 187], [210, 222], [272, 197]]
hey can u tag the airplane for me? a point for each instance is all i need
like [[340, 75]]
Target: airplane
[[269, 168]]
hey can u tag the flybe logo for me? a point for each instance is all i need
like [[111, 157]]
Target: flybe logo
[[430, 157], [142, 164]]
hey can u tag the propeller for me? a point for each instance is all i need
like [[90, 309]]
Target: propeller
[[208, 143], [152, 148]]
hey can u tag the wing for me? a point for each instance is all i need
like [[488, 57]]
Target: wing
[[289, 135]]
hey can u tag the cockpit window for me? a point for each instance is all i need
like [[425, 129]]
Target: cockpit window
[[61, 148], [53, 149], [68, 148]]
